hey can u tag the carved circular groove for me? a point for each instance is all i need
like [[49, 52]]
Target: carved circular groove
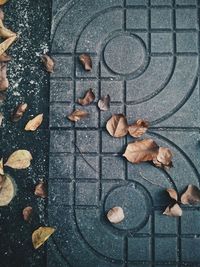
[[124, 54]]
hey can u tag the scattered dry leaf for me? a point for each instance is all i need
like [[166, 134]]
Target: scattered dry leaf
[[27, 213], [1, 118], [144, 150], [40, 235], [104, 103], [1, 167], [19, 112], [115, 215], [117, 125], [191, 195], [86, 61], [20, 159], [48, 63], [5, 57], [4, 83], [40, 190], [172, 193], [4, 32], [138, 128], [34, 123], [6, 44], [164, 158], [8, 190], [173, 211], [77, 115], [2, 2], [87, 99]]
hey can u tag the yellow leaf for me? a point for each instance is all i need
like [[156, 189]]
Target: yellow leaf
[[8, 190], [40, 235], [2, 2], [5, 45], [19, 159], [33, 124]]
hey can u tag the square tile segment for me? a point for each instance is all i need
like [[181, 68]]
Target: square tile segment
[[156, 78]]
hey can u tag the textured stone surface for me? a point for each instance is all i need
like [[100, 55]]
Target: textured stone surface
[[145, 56]]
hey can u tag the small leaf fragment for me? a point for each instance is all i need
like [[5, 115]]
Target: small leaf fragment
[[86, 61], [34, 123], [20, 159], [5, 57], [27, 213], [77, 115], [40, 235], [6, 44], [173, 211], [104, 103], [117, 125], [164, 158], [48, 63], [19, 112], [191, 195], [7, 191], [172, 193], [115, 215], [4, 32], [138, 151], [138, 128], [40, 190], [4, 83], [87, 99]]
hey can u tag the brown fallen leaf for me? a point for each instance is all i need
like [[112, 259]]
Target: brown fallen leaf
[[117, 125], [7, 191], [40, 190], [2, 2], [138, 128], [40, 235], [173, 211], [115, 215], [34, 123], [5, 58], [27, 213], [104, 103], [1, 167], [164, 158], [48, 63], [86, 61], [77, 115], [20, 159], [7, 43], [144, 150], [4, 32], [87, 99], [191, 196], [172, 193], [19, 112], [4, 83], [1, 119]]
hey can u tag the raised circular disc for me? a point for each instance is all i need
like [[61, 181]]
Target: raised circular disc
[[124, 54]]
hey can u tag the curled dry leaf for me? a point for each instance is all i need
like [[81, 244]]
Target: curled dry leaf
[[20, 159], [1, 118], [164, 158], [6, 44], [48, 63], [4, 32], [1, 167], [117, 125], [7, 191], [77, 115], [19, 112], [87, 99], [173, 211], [40, 235], [34, 123], [115, 215], [40, 190], [104, 103], [2, 2], [138, 151], [4, 83], [86, 61], [5, 58], [191, 195], [138, 128], [172, 193], [27, 213]]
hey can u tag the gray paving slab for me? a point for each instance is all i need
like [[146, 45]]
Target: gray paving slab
[[145, 54]]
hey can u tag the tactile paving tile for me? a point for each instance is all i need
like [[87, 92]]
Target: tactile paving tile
[[145, 55]]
